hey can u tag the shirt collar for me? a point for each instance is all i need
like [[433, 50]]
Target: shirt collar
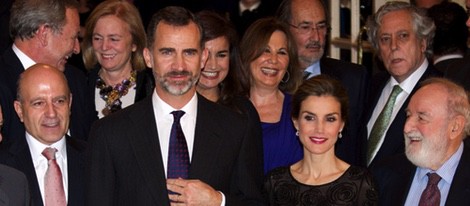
[[447, 170], [251, 8], [409, 83], [449, 56], [24, 59], [163, 109], [36, 147], [314, 69]]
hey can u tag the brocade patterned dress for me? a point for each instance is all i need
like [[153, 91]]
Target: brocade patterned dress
[[354, 187]]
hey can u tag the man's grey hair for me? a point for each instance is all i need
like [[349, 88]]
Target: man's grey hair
[[423, 26], [28, 15]]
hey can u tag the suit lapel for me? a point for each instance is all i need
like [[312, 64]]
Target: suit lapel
[[75, 170], [144, 142], [22, 155], [206, 142]]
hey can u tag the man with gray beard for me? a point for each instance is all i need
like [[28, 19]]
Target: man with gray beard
[[436, 165]]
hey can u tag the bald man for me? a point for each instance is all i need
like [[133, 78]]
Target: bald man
[[43, 105]]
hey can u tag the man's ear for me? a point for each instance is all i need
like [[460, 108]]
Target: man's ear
[[457, 126], [204, 56], [148, 58], [19, 109], [43, 33], [70, 103], [424, 45]]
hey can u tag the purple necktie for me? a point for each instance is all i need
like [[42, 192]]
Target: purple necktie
[[53, 186], [178, 156], [431, 195]]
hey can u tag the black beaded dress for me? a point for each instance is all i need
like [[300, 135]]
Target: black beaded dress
[[354, 187]]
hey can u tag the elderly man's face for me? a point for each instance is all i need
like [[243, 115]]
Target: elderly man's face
[[428, 126], [44, 107], [310, 42], [399, 47]]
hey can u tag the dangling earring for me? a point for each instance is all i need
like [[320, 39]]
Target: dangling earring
[[340, 134], [297, 133]]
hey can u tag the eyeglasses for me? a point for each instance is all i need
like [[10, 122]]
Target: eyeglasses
[[303, 28]]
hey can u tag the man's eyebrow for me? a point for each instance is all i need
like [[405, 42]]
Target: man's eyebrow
[[166, 49]]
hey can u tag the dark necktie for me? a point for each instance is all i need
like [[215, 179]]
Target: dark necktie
[[54, 194], [381, 123], [431, 195], [178, 156], [306, 75]]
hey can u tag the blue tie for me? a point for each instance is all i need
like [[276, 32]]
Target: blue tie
[[178, 156]]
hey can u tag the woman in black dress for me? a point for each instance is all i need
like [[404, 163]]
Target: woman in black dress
[[319, 111]]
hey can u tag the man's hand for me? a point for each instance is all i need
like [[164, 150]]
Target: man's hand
[[193, 193]]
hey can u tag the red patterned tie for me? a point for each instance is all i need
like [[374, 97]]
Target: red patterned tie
[[53, 186], [178, 156], [431, 195]]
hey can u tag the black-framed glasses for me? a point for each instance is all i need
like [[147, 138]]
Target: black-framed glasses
[[304, 28]]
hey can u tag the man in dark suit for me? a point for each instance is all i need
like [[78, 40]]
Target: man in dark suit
[[49, 40], [131, 151], [309, 25], [43, 106], [459, 72], [437, 122], [402, 50], [450, 40]]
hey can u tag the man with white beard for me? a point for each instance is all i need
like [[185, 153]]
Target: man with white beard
[[437, 123]]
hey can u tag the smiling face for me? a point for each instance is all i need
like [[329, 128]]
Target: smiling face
[[176, 59], [61, 45], [400, 49], [319, 124], [428, 127], [217, 65], [112, 43], [268, 69], [44, 106]]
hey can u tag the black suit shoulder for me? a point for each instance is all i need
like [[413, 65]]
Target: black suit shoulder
[[339, 68], [393, 176], [459, 72], [459, 191]]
